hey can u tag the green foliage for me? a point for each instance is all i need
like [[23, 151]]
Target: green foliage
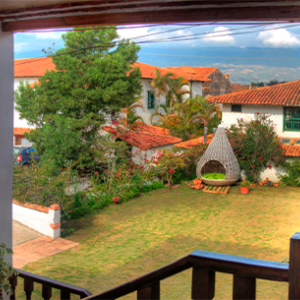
[[214, 176], [292, 176], [165, 164], [70, 104], [189, 118], [6, 271], [255, 145], [190, 157], [245, 183], [39, 184]]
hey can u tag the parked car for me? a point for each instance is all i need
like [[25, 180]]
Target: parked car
[[27, 156]]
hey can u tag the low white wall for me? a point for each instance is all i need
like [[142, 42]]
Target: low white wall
[[45, 220]]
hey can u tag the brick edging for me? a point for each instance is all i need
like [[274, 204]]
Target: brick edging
[[37, 207]]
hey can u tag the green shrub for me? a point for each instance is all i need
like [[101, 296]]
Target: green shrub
[[6, 271], [256, 145], [292, 176]]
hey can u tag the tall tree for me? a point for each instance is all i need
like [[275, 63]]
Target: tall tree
[[160, 84], [93, 79]]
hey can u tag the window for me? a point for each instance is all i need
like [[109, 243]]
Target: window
[[236, 108], [151, 100], [291, 119]]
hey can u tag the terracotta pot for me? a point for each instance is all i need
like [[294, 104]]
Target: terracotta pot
[[261, 183], [276, 184], [244, 190]]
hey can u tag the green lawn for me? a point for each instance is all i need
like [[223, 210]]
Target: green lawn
[[129, 240]]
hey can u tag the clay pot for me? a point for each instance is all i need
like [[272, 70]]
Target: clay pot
[[276, 184], [261, 183], [244, 190]]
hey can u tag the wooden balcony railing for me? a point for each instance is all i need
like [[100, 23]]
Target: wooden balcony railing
[[205, 264], [66, 290]]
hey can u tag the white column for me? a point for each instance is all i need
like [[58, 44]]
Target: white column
[[6, 134]]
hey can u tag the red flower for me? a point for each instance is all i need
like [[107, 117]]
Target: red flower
[[155, 162], [159, 159], [146, 160], [96, 173], [180, 154], [141, 167], [172, 171], [272, 159], [253, 167], [260, 158], [270, 167]]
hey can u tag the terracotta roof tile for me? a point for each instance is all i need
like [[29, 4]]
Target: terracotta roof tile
[[193, 73], [144, 138], [194, 142], [33, 67], [292, 149], [238, 87], [284, 94], [21, 131]]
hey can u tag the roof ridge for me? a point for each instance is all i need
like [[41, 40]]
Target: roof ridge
[[256, 89]]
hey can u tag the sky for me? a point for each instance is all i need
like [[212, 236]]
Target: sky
[[30, 44]]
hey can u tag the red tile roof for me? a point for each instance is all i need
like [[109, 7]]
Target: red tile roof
[[195, 142], [193, 73], [21, 131], [238, 87], [36, 67], [292, 149], [33, 67], [144, 138], [284, 94], [148, 70]]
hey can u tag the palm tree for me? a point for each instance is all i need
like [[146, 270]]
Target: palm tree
[[203, 110], [130, 117], [160, 84], [176, 90]]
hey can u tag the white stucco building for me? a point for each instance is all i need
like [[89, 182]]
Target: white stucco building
[[281, 102]]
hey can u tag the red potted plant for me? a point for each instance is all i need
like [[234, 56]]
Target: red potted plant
[[245, 187]]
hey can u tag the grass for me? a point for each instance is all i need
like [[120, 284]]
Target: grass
[[126, 241]]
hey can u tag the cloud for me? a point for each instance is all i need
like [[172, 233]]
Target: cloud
[[221, 34], [150, 34], [45, 35], [279, 37], [19, 47]]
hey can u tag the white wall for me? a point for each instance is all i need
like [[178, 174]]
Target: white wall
[[139, 156], [17, 121], [46, 222], [248, 111], [196, 88], [6, 135]]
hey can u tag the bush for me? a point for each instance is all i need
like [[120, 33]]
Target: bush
[[256, 145], [190, 157], [292, 176]]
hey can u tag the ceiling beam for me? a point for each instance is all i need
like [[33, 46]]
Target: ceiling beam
[[281, 13]]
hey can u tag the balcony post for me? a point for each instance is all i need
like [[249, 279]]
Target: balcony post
[[294, 267], [6, 134]]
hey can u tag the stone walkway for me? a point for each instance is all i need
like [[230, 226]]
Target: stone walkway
[[30, 246]]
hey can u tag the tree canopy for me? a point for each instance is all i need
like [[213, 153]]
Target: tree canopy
[[93, 80]]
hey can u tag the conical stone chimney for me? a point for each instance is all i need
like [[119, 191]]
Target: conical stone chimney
[[219, 158]]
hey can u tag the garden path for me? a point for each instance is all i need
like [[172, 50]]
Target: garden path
[[29, 245]]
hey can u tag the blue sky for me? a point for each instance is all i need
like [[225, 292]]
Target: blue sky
[[30, 44]]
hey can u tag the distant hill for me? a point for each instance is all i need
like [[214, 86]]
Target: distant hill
[[242, 65]]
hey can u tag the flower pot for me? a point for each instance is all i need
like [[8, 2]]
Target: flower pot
[[261, 183], [276, 184], [244, 190]]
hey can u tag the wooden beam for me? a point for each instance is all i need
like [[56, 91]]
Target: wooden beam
[[281, 13]]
